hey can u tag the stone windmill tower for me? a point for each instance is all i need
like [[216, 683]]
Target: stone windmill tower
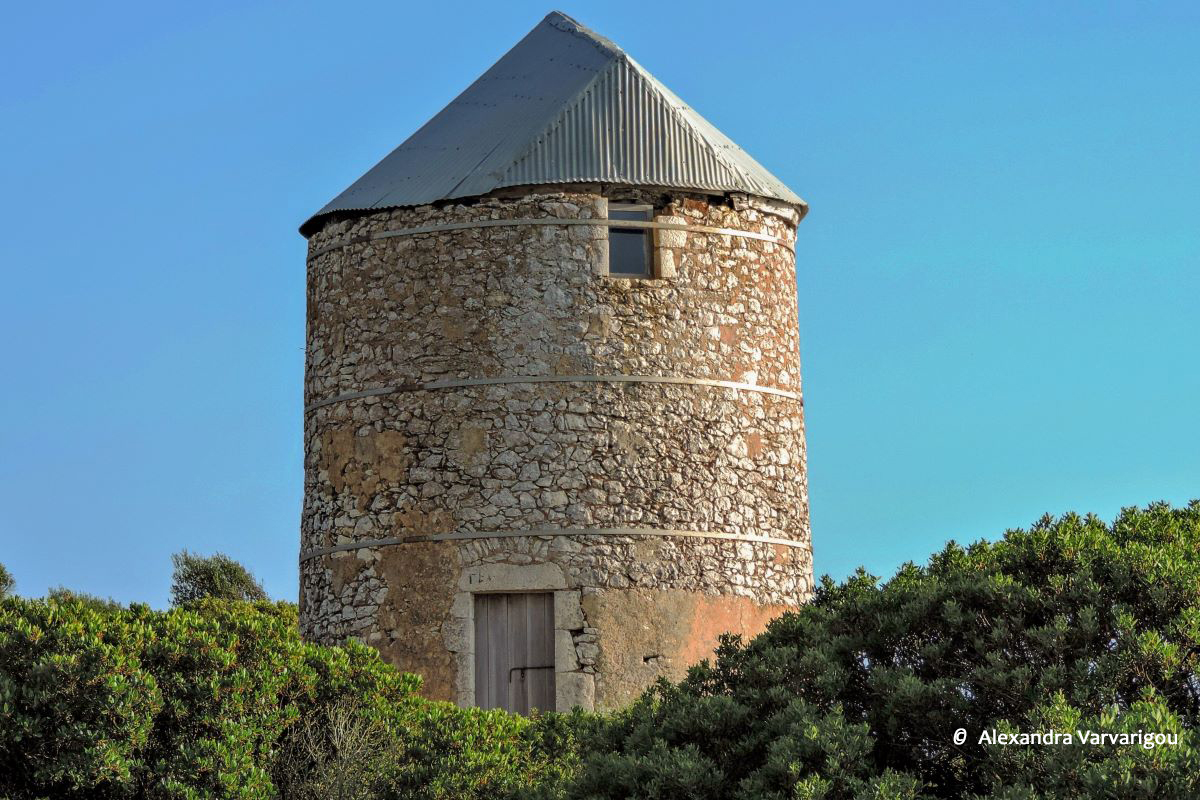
[[554, 439]]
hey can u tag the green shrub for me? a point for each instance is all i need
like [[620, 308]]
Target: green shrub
[[1070, 625], [78, 708], [102, 604], [446, 752], [224, 700], [6, 582], [217, 576]]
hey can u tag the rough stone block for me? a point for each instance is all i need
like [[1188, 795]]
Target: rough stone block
[[670, 237], [565, 659], [666, 263], [568, 613], [575, 689], [512, 578]]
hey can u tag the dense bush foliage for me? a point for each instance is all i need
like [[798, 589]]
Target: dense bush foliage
[[223, 700], [1071, 625], [64, 595], [218, 576], [6, 582]]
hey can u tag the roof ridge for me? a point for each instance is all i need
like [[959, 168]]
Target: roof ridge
[[677, 107], [644, 77], [568, 24], [555, 119]]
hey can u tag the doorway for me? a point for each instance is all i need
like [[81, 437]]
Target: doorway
[[514, 651]]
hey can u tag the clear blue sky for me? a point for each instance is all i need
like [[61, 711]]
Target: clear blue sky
[[998, 282]]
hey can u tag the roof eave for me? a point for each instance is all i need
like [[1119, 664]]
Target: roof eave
[[316, 222]]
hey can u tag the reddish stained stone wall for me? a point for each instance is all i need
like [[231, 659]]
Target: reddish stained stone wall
[[649, 634]]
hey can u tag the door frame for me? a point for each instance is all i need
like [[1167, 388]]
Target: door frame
[[572, 685]]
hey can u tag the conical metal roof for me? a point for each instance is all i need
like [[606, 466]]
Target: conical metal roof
[[565, 105]]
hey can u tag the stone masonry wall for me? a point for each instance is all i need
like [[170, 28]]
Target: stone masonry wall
[[534, 301]]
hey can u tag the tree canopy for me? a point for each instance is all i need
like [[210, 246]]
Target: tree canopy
[[217, 576]]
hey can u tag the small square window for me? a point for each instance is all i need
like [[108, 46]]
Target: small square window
[[629, 249]]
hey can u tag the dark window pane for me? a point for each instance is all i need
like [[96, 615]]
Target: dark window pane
[[628, 251], [629, 248]]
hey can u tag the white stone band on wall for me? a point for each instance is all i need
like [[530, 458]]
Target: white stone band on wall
[[498, 223], [451, 537], [501, 381]]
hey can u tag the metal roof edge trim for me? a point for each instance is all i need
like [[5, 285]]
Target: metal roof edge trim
[[322, 218]]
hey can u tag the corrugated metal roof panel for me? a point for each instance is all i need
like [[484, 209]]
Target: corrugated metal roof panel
[[564, 105], [621, 130]]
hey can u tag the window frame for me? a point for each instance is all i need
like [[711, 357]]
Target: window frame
[[651, 270]]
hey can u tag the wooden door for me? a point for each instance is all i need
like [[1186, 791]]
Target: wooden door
[[514, 651]]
